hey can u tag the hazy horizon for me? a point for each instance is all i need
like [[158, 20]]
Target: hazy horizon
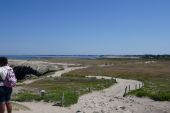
[[86, 27], [80, 54]]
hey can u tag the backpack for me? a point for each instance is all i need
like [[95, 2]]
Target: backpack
[[10, 79]]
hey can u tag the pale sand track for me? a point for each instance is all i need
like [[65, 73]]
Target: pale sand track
[[109, 100]]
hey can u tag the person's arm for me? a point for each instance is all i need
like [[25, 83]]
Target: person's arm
[[2, 77]]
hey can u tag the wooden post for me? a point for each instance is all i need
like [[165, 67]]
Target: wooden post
[[89, 89], [62, 100], [159, 92], [125, 92], [129, 88], [136, 86]]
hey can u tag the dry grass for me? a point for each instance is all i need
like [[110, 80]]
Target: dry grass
[[85, 61], [155, 75]]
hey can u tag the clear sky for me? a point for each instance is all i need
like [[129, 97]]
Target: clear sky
[[84, 27]]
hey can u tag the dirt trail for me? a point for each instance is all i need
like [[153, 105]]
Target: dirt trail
[[66, 70], [109, 100], [56, 74]]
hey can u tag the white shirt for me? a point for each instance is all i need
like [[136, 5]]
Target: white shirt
[[3, 73]]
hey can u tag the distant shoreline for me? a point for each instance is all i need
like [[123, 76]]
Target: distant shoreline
[[30, 57]]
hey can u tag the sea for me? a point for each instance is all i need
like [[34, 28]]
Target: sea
[[30, 57]]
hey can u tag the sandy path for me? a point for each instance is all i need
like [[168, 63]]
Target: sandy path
[[56, 74], [66, 70], [42, 107], [110, 100]]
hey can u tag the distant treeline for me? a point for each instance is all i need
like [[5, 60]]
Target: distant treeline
[[159, 57], [147, 56]]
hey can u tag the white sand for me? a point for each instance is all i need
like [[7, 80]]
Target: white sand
[[66, 70], [110, 100]]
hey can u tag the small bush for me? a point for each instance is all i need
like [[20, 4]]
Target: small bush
[[161, 96], [153, 94]]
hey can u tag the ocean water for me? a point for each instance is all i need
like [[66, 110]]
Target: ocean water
[[29, 57]]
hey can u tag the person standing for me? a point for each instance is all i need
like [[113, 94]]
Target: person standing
[[7, 81]]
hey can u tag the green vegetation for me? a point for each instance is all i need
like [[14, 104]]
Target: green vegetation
[[27, 96], [93, 62], [72, 87], [155, 95], [154, 74]]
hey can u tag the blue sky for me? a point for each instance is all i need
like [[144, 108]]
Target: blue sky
[[84, 27]]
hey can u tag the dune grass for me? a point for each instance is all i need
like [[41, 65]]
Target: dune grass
[[155, 75], [72, 87]]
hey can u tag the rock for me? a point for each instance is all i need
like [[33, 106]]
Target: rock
[[111, 100], [38, 67], [78, 111], [58, 103], [122, 107]]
